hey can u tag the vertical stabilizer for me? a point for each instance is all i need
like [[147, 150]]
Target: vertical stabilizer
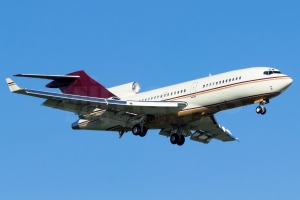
[[83, 86]]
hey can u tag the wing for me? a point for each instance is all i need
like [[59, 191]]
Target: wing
[[138, 107], [205, 130], [208, 129]]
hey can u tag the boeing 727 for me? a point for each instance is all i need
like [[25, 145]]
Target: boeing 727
[[178, 111]]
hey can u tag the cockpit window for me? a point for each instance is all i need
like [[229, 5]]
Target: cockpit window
[[276, 72], [271, 72]]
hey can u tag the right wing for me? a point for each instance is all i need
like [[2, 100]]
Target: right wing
[[137, 107], [205, 130], [208, 129]]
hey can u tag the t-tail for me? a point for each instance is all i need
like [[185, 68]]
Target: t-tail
[[76, 83]]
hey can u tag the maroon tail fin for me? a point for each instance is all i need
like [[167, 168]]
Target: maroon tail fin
[[83, 86]]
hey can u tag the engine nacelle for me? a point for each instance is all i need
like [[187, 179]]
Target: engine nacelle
[[125, 90]]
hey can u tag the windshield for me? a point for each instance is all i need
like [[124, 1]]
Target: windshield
[[271, 72]]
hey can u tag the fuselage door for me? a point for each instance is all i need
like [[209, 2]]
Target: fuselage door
[[193, 89]]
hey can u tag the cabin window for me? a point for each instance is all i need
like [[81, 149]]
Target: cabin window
[[178, 92], [229, 80], [171, 93], [203, 86], [236, 78], [240, 77], [216, 83], [226, 80], [220, 82], [223, 81], [151, 98], [181, 91], [184, 90], [168, 94]]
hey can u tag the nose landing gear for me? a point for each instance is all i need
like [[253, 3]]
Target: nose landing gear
[[261, 109]]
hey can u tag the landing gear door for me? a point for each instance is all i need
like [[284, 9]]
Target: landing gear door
[[193, 90]]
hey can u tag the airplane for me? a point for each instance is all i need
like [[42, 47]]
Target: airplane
[[177, 111]]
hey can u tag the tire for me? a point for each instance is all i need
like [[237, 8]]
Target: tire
[[174, 138], [259, 109], [264, 111], [144, 132], [136, 129], [181, 140]]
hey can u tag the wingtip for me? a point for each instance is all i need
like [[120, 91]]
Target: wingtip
[[12, 85]]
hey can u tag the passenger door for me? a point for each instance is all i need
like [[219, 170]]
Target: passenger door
[[193, 90]]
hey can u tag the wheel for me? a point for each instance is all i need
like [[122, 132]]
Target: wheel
[[264, 111], [174, 138], [136, 129], [259, 109], [181, 140], [144, 132]]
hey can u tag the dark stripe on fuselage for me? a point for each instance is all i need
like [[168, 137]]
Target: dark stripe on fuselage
[[225, 86], [217, 104]]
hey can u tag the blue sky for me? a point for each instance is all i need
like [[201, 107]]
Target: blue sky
[[156, 43]]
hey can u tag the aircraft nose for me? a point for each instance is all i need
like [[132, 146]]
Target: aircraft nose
[[287, 82]]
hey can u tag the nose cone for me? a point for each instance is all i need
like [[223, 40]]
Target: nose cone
[[287, 83]]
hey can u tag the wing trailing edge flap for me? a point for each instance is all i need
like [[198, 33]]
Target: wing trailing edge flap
[[137, 107], [70, 107], [208, 129]]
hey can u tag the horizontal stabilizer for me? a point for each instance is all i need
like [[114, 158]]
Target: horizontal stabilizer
[[12, 85], [75, 83], [51, 77]]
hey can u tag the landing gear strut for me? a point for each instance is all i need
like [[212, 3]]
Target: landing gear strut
[[261, 109]]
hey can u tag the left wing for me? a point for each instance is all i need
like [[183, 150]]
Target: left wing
[[138, 107]]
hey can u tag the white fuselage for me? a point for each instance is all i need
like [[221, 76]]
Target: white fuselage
[[235, 86], [209, 95]]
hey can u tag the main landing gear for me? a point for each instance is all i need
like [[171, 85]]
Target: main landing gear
[[261, 109], [139, 130], [177, 139], [177, 136]]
